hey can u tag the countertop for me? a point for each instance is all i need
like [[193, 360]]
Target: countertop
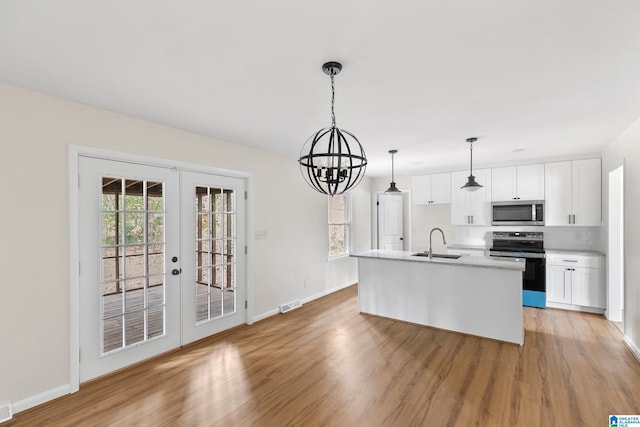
[[573, 251], [463, 246], [464, 260], [472, 247]]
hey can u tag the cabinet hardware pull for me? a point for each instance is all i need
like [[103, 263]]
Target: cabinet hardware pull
[[570, 260]]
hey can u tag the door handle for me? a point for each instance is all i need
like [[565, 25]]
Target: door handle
[[176, 271]]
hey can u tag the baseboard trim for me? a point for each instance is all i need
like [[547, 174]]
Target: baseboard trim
[[633, 347], [265, 315], [327, 292], [40, 398], [304, 301], [572, 307]]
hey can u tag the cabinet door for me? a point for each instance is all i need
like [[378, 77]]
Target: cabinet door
[[479, 204], [441, 188], [558, 284], [504, 184], [586, 192], [530, 182], [557, 177], [459, 199], [420, 189], [586, 289]]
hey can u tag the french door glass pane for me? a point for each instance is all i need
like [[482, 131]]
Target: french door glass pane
[[133, 259], [215, 252]]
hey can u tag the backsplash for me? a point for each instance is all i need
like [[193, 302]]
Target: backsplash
[[580, 238]]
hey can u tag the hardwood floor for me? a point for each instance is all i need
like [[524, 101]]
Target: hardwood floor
[[326, 364]]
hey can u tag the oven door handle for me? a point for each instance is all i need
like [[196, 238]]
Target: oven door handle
[[508, 254]]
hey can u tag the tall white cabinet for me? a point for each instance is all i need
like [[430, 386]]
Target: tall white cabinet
[[573, 193], [524, 182], [471, 207], [431, 189]]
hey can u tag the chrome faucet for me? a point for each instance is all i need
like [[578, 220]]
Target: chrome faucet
[[443, 241]]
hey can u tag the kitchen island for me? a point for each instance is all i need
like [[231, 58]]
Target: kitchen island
[[474, 295]]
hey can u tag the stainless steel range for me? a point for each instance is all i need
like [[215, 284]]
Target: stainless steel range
[[530, 247]]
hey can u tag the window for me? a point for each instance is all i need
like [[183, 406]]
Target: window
[[339, 214]]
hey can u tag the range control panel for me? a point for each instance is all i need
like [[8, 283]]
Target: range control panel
[[518, 235]]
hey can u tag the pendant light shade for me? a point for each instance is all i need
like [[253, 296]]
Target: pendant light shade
[[392, 187], [332, 161], [471, 184]]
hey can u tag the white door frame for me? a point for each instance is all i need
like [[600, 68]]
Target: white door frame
[[77, 151], [616, 246]]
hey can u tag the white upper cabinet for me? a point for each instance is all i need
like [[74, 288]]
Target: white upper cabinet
[[471, 207], [420, 189], [573, 193], [431, 189], [517, 183]]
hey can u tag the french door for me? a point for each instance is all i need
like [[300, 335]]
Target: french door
[[213, 213], [159, 260]]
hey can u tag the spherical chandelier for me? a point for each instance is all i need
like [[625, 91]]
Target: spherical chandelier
[[332, 161]]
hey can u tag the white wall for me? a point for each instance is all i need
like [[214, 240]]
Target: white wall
[[626, 150], [35, 131]]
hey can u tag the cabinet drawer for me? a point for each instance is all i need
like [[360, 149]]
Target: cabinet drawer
[[574, 260]]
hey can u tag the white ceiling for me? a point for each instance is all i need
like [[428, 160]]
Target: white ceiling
[[533, 79]]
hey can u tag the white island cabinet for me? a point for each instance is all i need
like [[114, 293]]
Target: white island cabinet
[[474, 295]]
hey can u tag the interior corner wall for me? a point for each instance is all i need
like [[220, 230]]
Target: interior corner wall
[[626, 149], [35, 131]]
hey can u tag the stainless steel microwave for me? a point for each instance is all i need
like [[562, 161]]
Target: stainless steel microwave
[[518, 212]]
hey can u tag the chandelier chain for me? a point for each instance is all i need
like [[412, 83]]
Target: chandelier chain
[[333, 99]]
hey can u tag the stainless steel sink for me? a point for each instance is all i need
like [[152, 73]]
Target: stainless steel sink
[[450, 256]]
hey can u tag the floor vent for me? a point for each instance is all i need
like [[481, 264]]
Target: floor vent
[[5, 413], [290, 306]]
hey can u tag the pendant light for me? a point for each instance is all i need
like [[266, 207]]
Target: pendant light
[[332, 161], [471, 184], [392, 187]]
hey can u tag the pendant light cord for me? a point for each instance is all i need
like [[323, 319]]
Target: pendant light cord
[[471, 157]]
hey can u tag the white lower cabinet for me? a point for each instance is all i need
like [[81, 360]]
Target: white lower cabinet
[[576, 281]]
